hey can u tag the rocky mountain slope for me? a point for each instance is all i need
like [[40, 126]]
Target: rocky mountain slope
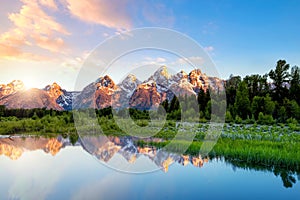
[[97, 94], [15, 95], [29, 99], [62, 97]]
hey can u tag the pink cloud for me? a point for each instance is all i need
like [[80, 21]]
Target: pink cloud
[[8, 51], [109, 13], [14, 37], [51, 44], [32, 18], [32, 27], [48, 3], [11, 53]]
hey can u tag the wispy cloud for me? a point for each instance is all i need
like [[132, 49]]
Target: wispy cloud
[[49, 4], [209, 48], [35, 30], [32, 18], [14, 37], [8, 51], [109, 13], [197, 60], [152, 61], [72, 63], [51, 44], [120, 15], [13, 53]]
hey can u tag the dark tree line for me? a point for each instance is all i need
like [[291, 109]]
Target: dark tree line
[[269, 98], [36, 113]]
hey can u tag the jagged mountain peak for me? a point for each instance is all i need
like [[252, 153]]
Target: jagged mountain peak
[[105, 81], [12, 87], [146, 85], [54, 90], [161, 73], [161, 78], [199, 80], [105, 77], [17, 84], [129, 84], [130, 79], [63, 98], [145, 96], [196, 71], [54, 85], [179, 76], [182, 72]]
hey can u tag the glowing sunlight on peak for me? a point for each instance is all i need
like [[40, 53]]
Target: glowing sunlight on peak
[[29, 83]]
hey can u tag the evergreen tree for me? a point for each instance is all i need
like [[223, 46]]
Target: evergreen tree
[[2, 110], [294, 91], [242, 102], [231, 86], [201, 98], [165, 105], [269, 105], [280, 76], [174, 105], [257, 85]]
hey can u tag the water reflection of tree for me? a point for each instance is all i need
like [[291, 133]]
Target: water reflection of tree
[[288, 176]]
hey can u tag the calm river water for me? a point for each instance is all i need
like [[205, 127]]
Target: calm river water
[[53, 168]]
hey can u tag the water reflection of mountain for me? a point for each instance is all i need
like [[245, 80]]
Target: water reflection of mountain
[[105, 148], [14, 147], [102, 147]]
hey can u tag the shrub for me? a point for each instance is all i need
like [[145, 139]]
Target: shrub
[[238, 119]]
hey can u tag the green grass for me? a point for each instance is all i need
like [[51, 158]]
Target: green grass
[[41, 126], [280, 154]]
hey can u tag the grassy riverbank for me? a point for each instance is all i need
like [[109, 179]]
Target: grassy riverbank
[[261, 144]]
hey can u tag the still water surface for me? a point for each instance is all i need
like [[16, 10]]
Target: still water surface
[[44, 168]]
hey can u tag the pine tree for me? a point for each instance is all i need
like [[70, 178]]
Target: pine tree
[[294, 92], [280, 76], [242, 102]]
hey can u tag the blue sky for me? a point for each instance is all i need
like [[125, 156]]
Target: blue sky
[[42, 41]]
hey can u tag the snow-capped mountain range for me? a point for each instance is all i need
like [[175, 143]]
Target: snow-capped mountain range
[[103, 92]]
